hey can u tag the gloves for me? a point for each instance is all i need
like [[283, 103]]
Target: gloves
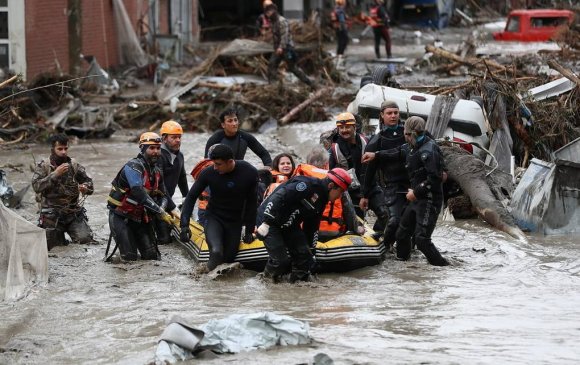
[[166, 217], [248, 237], [185, 234], [263, 230]]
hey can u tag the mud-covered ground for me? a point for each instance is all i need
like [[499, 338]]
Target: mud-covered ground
[[501, 300]]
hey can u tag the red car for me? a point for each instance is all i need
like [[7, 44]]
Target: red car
[[535, 25]]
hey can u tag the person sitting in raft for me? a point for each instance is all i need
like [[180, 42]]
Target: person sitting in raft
[[282, 168]]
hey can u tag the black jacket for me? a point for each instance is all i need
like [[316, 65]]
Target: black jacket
[[173, 171], [239, 144]]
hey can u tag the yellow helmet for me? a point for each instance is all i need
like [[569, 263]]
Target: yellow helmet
[[149, 138], [345, 118], [171, 127]]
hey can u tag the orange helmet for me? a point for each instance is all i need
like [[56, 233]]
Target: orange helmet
[[149, 138], [171, 127], [340, 2], [266, 3], [340, 178], [345, 118]]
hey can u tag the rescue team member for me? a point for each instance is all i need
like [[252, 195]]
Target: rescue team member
[[173, 170], [232, 204], [137, 192], [425, 168], [379, 21], [289, 218], [58, 182], [391, 174], [282, 168], [283, 47], [339, 21], [239, 141]]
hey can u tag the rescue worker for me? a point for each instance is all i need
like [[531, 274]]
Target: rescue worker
[[346, 152], [137, 194], [58, 182], [232, 204], [239, 141], [283, 47], [390, 173], [173, 170], [379, 21], [289, 218], [424, 164], [263, 25], [340, 23]]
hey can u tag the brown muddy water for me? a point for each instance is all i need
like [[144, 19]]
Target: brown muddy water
[[501, 300]]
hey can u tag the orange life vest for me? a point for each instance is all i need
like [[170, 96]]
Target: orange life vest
[[332, 220], [279, 178], [204, 197]]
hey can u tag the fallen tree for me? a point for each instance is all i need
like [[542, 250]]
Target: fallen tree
[[485, 191]]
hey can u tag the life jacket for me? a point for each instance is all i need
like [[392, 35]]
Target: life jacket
[[279, 178], [375, 19], [339, 156], [336, 22], [126, 206], [332, 222], [203, 199]]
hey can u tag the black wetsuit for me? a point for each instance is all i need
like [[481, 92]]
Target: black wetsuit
[[425, 167], [172, 167], [293, 212], [239, 144], [232, 204], [390, 172]]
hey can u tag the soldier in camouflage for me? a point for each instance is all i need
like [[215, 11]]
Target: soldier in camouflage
[[61, 184]]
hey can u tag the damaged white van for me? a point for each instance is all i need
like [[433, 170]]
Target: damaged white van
[[458, 119]]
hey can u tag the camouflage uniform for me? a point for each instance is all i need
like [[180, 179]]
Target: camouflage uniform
[[60, 211]]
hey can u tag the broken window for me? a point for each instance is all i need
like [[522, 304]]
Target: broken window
[[513, 24]]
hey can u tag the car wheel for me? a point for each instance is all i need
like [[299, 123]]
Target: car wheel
[[381, 75]]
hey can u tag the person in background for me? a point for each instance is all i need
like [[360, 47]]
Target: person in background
[[283, 47], [232, 205], [289, 218], [263, 25], [340, 23], [172, 166], [59, 183], [137, 195], [379, 21]]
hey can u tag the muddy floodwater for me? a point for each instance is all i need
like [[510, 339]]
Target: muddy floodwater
[[501, 300]]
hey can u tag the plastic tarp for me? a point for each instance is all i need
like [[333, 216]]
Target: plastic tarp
[[130, 50], [23, 255], [236, 333]]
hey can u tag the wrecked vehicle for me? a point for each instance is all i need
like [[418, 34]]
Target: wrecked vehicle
[[465, 121], [547, 199], [537, 25]]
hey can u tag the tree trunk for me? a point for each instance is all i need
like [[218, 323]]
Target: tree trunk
[[470, 173]]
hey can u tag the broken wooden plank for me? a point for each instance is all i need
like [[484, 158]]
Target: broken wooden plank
[[298, 108]]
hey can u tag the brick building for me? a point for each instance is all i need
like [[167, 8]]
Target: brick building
[[38, 35]]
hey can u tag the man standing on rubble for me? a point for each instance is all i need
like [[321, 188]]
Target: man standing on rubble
[[283, 47], [58, 182], [346, 152], [232, 204], [390, 174], [137, 195], [173, 170], [424, 164]]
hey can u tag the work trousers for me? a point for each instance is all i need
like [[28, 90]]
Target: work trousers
[[281, 242], [223, 239], [57, 224], [291, 58], [133, 238], [419, 219], [341, 41], [382, 33], [396, 201]]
